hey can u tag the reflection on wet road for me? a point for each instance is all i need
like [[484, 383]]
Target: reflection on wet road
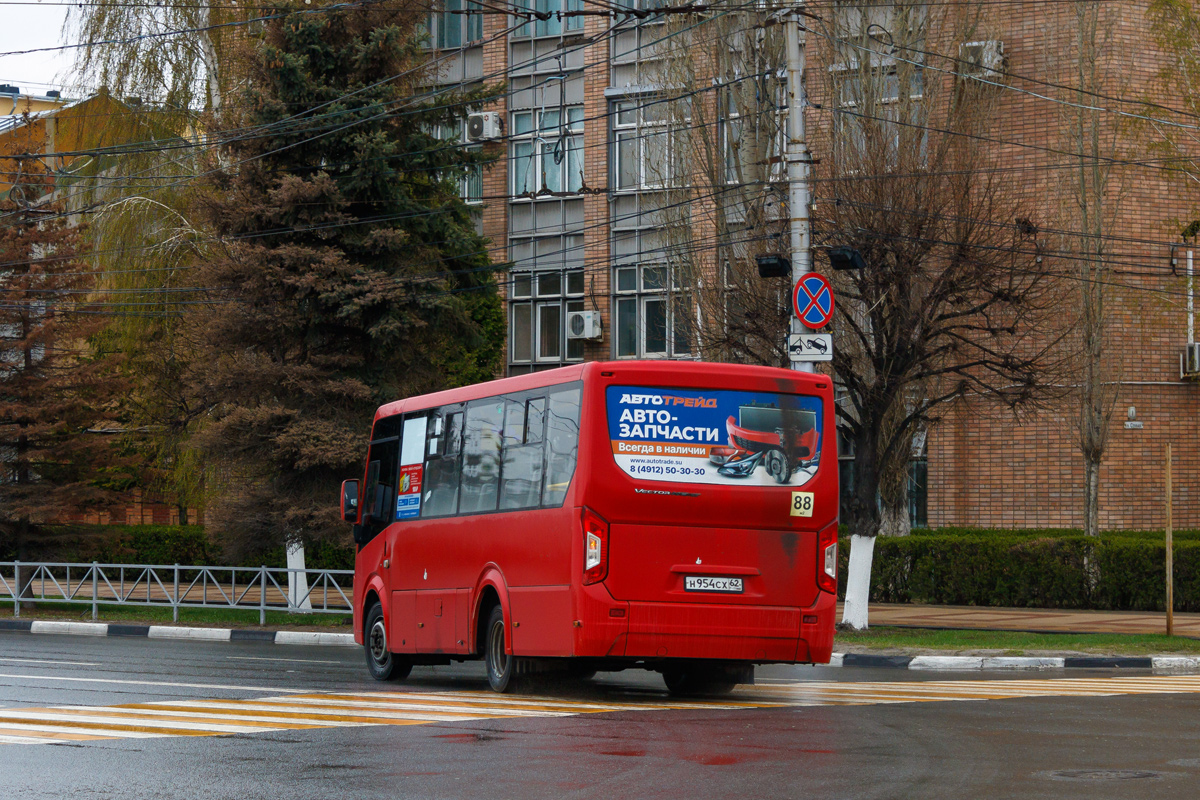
[[297, 712]]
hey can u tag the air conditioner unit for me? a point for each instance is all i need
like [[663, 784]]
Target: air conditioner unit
[[484, 127], [583, 325], [981, 59], [1189, 362]]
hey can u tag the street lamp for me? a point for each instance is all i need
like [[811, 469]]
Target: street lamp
[[843, 257]]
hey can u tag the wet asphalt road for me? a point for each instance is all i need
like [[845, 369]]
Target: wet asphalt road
[[964, 748]]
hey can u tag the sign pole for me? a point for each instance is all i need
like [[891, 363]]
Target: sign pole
[[1170, 554], [797, 166]]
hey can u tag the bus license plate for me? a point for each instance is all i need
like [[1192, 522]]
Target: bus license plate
[[694, 583]]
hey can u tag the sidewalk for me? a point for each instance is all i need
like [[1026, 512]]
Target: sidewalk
[[1029, 619]]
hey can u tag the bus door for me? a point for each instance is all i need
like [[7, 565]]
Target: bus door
[[429, 604], [377, 501]]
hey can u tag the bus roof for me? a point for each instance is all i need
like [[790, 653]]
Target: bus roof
[[632, 370]]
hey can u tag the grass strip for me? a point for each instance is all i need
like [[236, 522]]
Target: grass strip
[[199, 617], [1011, 643]]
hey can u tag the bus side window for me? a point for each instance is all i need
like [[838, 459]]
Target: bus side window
[[562, 444], [480, 486], [379, 499], [521, 473], [442, 465], [514, 423], [535, 420]]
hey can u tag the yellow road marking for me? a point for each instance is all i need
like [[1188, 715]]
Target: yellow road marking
[[195, 717], [55, 735], [223, 717], [100, 726]]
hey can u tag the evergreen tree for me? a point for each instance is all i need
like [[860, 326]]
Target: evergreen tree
[[349, 273], [55, 392]]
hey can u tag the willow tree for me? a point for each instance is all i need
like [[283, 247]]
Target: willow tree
[[952, 304], [176, 56], [163, 72]]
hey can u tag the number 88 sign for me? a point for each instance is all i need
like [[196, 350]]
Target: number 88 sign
[[802, 504], [812, 300]]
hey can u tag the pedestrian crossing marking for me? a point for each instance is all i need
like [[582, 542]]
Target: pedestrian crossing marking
[[818, 693], [225, 717]]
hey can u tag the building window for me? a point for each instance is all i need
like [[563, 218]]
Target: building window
[[550, 20], [470, 182], [538, 315], [918, 493], [457, 24], [651, 316], [547, 151], [643, 146], [878, 113]]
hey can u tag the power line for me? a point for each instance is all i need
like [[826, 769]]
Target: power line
[[610, 32], [201, 29]]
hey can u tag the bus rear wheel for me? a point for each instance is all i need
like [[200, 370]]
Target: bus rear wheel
[[383, 664], [501, 667], [699, 680]]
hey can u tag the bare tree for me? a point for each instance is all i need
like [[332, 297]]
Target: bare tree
[[952, 303], [725, 190], [1090, 200]]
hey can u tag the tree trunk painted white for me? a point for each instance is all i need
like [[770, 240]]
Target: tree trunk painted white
[[858, 582], [297, 581]]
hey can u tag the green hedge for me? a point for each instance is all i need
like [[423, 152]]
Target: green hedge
[[1064, 570], [1053, 533]]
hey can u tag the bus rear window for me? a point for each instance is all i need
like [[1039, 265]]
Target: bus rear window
[[715, 436]]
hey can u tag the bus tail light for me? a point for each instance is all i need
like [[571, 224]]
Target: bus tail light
[[827, 547], [595, 547]]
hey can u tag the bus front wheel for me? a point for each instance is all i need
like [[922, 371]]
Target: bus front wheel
[[381, 662], [500, 665]]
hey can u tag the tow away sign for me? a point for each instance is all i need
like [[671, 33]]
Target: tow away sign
[[810, 347]]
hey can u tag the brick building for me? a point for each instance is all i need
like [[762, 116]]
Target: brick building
[[570, 203]]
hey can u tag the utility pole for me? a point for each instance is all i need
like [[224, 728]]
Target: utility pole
[[1170, 552], [798, 163]]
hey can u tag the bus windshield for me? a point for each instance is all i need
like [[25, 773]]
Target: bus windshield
[[715, 436]]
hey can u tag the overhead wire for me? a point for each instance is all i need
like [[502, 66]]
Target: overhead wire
[[888, 120], [587, 41]]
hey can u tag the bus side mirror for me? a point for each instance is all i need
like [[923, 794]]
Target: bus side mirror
[[349, 500]]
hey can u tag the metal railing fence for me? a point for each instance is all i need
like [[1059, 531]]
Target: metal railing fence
[[322, 591]]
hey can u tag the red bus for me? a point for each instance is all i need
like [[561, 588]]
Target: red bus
[[676, 516]]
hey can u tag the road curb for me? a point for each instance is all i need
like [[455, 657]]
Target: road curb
[[323, 639], [960, 663], [319, 638]]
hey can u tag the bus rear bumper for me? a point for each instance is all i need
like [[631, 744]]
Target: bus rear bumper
[[733, 632]]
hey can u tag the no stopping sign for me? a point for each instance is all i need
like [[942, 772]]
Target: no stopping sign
[[812, 300]]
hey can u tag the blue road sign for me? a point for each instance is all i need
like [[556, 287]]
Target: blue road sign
[[812, 300]]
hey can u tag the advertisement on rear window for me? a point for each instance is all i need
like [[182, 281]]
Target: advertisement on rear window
[[723, 437]]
